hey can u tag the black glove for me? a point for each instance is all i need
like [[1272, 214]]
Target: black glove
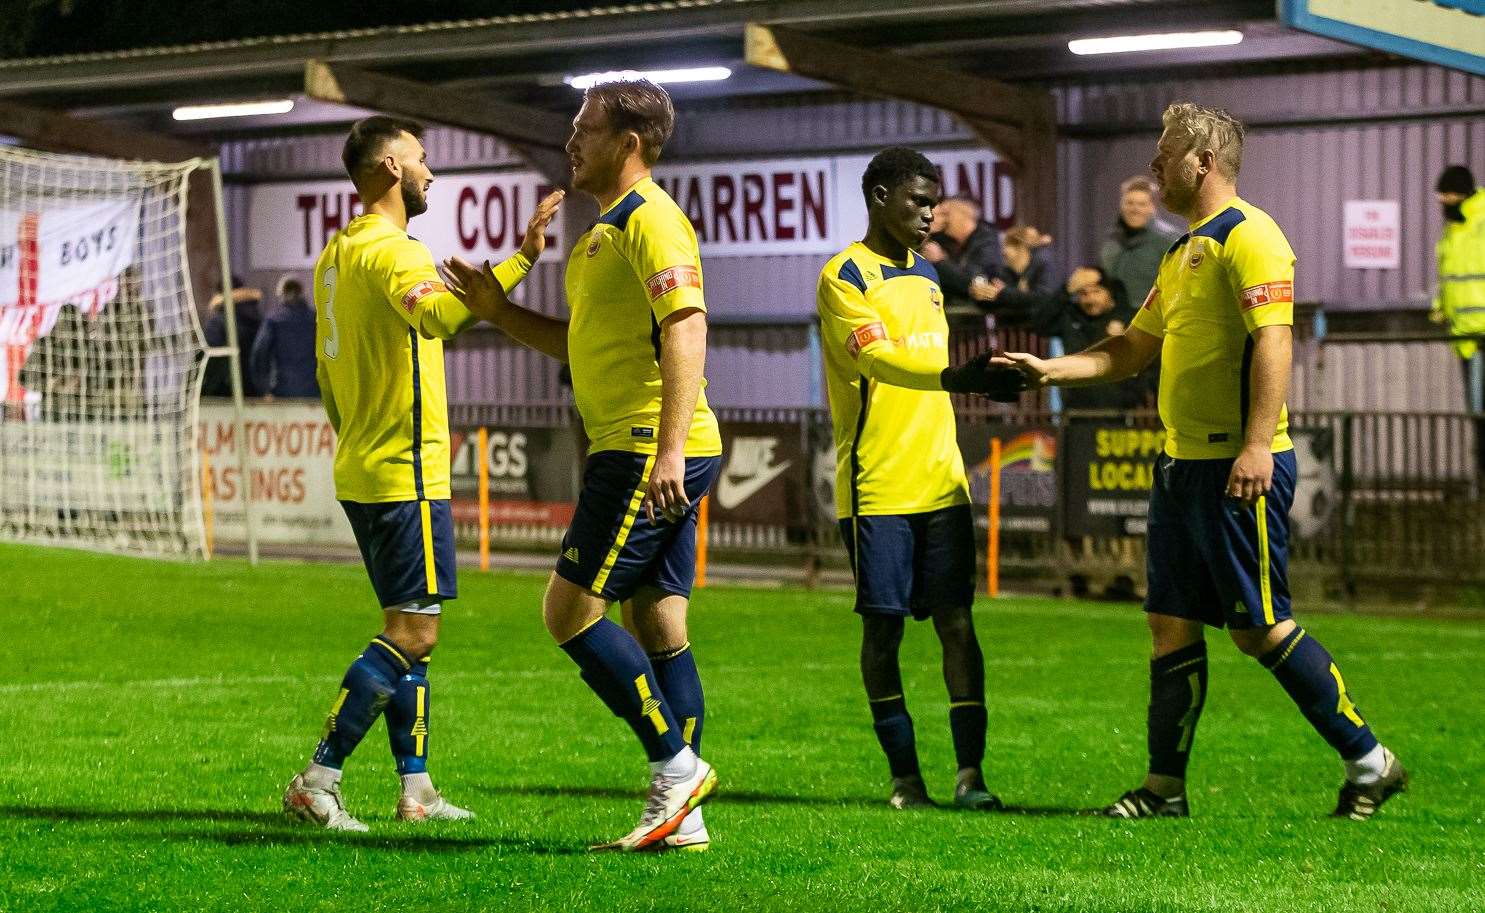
[[1000, 383]]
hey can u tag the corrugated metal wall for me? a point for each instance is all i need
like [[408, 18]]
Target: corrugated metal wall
[[1317, 138]]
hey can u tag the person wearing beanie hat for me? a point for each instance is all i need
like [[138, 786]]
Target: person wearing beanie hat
[[1460, 302]]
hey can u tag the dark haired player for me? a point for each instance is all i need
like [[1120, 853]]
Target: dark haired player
[[636, 343], [382, 316], [901, 493]]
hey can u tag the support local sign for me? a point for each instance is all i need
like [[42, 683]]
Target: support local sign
[[1446, 32]]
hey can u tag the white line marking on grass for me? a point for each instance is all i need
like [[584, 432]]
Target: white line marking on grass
[[234, 681]]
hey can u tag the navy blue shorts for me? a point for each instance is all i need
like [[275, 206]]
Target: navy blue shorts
[[612, 549], [408, 549], [912, 564], [1211, 558]]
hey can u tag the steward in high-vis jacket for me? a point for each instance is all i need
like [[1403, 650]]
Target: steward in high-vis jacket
[[1461, 299]]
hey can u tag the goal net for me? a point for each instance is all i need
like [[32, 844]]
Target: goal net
[[101, 355]]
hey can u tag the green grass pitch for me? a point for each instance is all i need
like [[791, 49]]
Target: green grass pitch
[[152, 713]]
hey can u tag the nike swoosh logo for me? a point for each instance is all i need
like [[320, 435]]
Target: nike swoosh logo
[[732, 493]]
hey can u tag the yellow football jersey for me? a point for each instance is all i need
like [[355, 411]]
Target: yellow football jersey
[[382, 316], [1232, 273], [896, 450], [636, 266]]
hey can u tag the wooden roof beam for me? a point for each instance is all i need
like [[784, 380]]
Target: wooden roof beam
[[537, 134], [50, 130], [894, 76]]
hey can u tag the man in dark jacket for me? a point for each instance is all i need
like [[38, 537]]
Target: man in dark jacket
[[1023, 283], [1134, 248], [245, 304], [962, 249], [283, 355], [1091, 306]]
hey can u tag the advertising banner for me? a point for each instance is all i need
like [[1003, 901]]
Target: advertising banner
[[765, 476], [110, 467], [292, 450], [476, 216], [741, 207], [1028, 474], [1110, 468], [534, 475]]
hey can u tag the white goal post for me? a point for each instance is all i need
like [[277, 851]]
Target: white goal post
[[102, 354]]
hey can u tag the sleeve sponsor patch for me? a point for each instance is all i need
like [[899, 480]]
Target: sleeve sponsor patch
[[672, 278], [1268, 293], [419, 292], [863, 336]]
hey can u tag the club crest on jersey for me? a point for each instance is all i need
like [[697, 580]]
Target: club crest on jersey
[[594, 242], [1196, 257], [935, 296]]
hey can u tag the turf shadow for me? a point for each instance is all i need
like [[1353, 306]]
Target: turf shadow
[[727, 796], [400, 844], [76, 814], [1051, 811]]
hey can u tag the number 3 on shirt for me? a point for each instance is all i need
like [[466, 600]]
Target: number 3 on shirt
[[332, 342]]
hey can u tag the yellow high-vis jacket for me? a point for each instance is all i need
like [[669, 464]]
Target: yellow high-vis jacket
[[1461, 297]]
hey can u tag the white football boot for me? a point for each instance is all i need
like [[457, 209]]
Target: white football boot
[[670, 800], [423, 808], [691, 835], [319, 805]]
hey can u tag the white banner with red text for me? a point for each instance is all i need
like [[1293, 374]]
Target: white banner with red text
[[69, 255], [739, 208], [292, 458]]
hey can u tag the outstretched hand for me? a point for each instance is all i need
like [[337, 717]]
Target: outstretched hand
[[536, 230], [986, 376], [477, 287], [1037, 371]]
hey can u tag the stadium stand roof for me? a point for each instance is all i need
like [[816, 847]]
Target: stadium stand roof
[[523, 57]]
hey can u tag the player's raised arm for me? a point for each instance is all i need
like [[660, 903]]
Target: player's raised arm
[[483, 293]]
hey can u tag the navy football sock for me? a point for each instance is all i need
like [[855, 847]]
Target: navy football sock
[[1178, 691], [367, 687], [680, 685], [1310, 676], [895, 733], [967, 719], [407, 719], [616, 668]]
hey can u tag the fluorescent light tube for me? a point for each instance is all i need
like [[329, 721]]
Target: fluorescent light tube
[[688, 74], [234, 109], [1124, 44]]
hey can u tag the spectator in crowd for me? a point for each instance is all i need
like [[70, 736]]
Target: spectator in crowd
[[1133, 250], [1091, 306], [1024, 280], [283, 355], [122, 335], [245, 303], [1461, 299], [57, 367], [963, 248]]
